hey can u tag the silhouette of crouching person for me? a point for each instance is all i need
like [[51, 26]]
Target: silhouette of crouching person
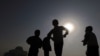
[[91, 41], [35, 43], [46, 46]]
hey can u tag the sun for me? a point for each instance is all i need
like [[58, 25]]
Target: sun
[[69, 26]]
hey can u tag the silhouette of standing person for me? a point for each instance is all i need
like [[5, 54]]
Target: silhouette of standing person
[[46, 46], [35, 43], [58, 35], [91, 41]]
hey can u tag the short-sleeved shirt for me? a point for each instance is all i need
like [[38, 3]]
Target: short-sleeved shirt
[[57, 33], [35, 42]]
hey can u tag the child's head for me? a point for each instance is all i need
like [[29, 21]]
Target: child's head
[[55, 22], [37, 32], [89, 29]]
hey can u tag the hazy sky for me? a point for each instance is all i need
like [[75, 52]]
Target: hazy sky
[[19, 19]]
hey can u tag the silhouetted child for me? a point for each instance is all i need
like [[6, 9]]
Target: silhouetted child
[[46, 46], [35, 43], [58, 35], [91, 41]]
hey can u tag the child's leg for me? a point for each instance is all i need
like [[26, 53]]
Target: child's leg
[[46, 53]]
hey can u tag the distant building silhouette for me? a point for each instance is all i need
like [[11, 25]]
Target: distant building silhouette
[[46, 46], [18, 51], [91, 41], [35, 43], [57, 33]]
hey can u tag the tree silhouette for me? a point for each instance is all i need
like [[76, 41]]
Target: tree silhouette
[[18, 51]]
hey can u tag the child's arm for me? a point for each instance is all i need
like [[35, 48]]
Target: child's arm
[[86, 38]]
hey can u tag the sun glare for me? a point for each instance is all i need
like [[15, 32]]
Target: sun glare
[[69, 26]]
